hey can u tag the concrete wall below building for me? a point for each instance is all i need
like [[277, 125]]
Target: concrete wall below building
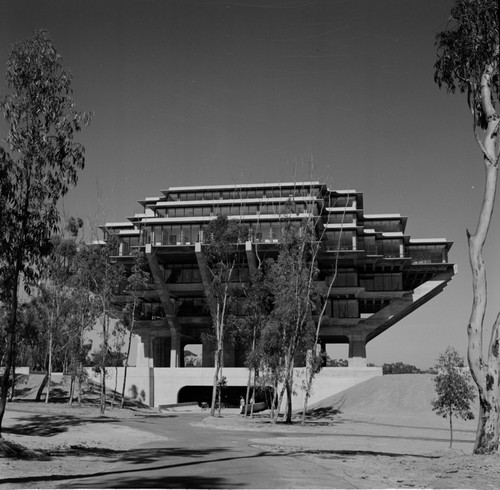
[[161, 386]]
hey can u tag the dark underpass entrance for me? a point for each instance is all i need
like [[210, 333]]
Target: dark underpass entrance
[[203, 394]]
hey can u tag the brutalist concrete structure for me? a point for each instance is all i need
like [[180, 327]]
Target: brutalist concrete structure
[[382, 273]]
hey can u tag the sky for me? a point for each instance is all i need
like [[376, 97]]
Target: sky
[[195, 92]]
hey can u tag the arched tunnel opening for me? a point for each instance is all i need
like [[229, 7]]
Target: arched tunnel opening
[[230, 395]]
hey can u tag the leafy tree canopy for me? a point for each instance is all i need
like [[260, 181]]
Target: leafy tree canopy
[[399, 368], [466, 48]]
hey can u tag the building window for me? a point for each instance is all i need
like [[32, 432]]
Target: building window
[[192, 307], [340, 218], [340, 240], [344, 279], [382, 282], [343, 308], [385, 225], [427, 254], [342, 201], [182, 274], [390, 248]]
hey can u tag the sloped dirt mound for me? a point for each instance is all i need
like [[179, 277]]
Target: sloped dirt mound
[[392, 397]]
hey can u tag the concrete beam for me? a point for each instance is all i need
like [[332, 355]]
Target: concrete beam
[[250, 252], [168, 307], [205, 275]]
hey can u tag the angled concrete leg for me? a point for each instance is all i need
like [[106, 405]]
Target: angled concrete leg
[[357, 353]]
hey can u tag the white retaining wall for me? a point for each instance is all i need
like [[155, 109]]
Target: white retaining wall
[[160, 386]]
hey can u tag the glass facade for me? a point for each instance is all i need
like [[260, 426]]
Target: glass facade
[[340, 240], [427, 254], [343, 308], [382, 281], [384, 225], [232, 209], [243, 193], [334, 201]]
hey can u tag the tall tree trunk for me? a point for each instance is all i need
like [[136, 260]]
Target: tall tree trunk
[[247, 395], [42, 386], [309, 380], [289, 394], [80, 363], [103, 390], [9, 349], [49, 368], [451, 427], [215, 382], [71, 389], [219, 355], [13, 384], [104, 360], [80, 385], [113, 398], [485, 372], [125, 368], [132, 323], [280, 401]]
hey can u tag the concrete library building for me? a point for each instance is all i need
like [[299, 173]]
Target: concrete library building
[[382, 275]]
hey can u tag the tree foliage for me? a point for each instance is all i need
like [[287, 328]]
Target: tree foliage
[[453, 388], [399, 368], [467, 48], [38, 165]]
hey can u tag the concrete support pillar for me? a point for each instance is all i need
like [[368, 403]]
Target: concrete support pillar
[[229, 354], [151, 352], [175, 348], [357, 348], [323, 351], [207, 355], [151, 387], [140, 357], [250, 253]]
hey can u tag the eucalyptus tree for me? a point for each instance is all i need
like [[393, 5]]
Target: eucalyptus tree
[[137, 281], [100, 273], [256, 307], [222, 259], [38, 164], [291, 279], [468, 61]]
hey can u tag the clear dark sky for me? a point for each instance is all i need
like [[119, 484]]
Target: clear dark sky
[[192, 92]]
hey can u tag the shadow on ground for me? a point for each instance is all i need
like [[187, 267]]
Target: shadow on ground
[[49, 425], [130, 475]]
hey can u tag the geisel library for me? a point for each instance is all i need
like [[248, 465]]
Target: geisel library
[[382, 276]]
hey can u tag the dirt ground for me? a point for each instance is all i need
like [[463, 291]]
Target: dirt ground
[[354, 432]]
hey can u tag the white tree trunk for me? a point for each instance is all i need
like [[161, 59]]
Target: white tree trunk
[[485, 372]]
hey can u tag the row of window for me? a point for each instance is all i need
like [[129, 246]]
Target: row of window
[[271, 231], [384, 225], [236, 209], [185, 234], [190, 273], [336, 308], [371, 282], [341, 201], [341, 218], [382, 282], [236, 193]]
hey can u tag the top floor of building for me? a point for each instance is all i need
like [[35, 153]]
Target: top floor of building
[[178, 218]]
